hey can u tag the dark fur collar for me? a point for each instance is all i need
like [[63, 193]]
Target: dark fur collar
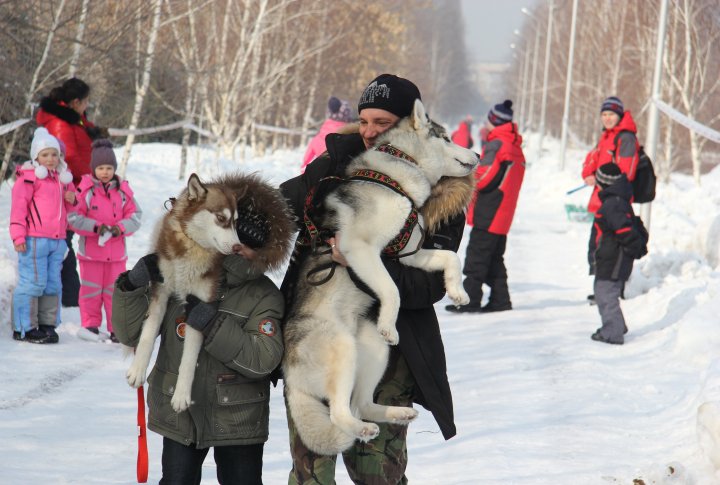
[[63, 112], [263, 195]]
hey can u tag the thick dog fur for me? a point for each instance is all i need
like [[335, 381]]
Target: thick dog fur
[[336, 355], [190, 241]]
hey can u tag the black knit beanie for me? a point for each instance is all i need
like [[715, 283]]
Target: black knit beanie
[[607, 174], [501, 113], [252, 226], [391, 93]]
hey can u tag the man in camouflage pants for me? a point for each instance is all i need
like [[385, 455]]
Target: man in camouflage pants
[[417, 371], [380, 461]]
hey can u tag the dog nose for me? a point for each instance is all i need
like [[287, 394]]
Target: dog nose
[[237, 248]]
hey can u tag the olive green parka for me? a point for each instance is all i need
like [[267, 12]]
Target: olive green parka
[[242, 344], [231, 391]]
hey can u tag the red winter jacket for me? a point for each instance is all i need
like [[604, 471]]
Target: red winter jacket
[[499, 178], [72, 129], [462, 136], [625, 154]]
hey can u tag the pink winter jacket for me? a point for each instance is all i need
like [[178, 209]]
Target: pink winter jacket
[[317, 144], [38, 205], [112, 205]]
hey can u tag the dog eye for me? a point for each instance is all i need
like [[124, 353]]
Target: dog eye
[[221, 218]]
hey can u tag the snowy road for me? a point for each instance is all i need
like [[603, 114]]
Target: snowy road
[[536, 401]]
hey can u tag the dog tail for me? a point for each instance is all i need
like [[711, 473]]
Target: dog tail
[[312, 422]]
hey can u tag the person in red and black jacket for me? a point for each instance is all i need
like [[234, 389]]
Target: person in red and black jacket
[[618, 144], [618, 128], [618, 243], [62, 112], [499, 177]]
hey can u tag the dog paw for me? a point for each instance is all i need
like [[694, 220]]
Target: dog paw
[[180, 401], [459, 296], [367, 432], [390, 335], [401, 415], [135, 376]]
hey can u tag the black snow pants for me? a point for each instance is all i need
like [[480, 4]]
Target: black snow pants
[[485, 264]]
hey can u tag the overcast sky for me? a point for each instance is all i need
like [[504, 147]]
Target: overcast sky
[[489, 26]]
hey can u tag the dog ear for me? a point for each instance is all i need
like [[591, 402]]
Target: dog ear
[[196, 189], [419, 117]]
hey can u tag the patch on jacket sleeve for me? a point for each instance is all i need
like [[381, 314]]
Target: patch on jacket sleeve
[[180, 327], [267, 327]]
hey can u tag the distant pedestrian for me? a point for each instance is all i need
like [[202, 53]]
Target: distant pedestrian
[[499, 177], [619, 241], [483, 135], [339, 114], [618, 144], [105, 215], [462, 135], [41, 198]]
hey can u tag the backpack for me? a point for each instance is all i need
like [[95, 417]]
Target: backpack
[[645, 178], [638, 248]]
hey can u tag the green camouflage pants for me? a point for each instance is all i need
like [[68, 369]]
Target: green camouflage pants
[[383, 460]]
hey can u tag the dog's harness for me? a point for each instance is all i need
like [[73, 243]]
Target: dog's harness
[[314, 235]]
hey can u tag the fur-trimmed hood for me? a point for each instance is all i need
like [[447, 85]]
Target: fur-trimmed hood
[[252, 189], [61, 111], [448, 198]]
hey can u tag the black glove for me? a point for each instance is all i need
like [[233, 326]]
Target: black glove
[[198, 313], [145, 271], [115, 230]]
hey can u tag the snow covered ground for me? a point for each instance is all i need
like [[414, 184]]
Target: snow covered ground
[[536, 401]]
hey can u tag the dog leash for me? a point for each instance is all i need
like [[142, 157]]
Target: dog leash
[[142, 456], [331, 265]]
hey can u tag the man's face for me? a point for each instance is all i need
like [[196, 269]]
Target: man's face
[[609, 119], [374, 122]]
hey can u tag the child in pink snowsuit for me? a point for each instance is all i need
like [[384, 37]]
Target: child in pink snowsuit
[[106, 213], [41, 198]]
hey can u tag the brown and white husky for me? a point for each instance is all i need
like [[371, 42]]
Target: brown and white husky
[[190, 241]]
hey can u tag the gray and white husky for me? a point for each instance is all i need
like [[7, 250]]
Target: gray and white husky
[[335, 354]]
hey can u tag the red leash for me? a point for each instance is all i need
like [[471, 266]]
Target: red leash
[[142, 456]]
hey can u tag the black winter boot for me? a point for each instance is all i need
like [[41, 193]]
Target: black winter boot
[[469, 308], [52, 336], [34, 336], [493, 307]]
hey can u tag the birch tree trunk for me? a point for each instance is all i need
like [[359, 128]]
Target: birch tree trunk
[[77, 47], [33, 85], [142, 89]]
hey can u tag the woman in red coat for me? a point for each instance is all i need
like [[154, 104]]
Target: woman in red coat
[[62, 112]]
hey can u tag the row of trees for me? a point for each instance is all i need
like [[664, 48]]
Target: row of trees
[[614, 55], [225, 65]]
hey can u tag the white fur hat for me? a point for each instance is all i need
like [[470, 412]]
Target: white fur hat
[[42, 139]]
